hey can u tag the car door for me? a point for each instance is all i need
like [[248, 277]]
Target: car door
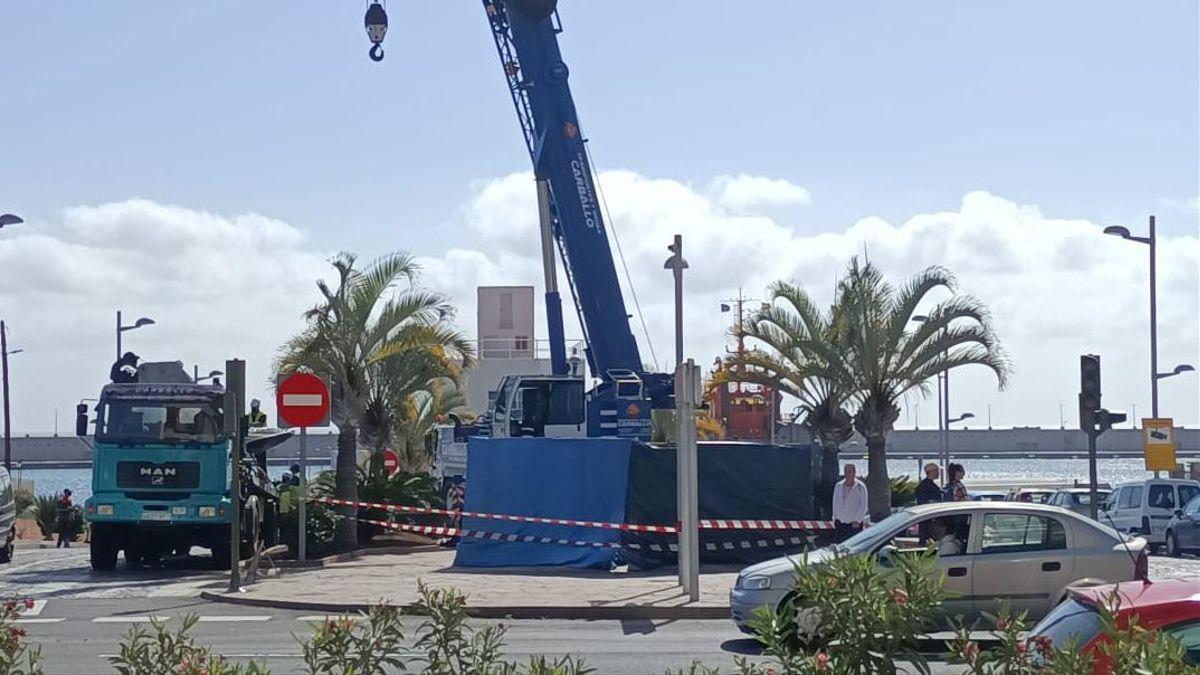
[[1186, 528], [957, 568], [1024, 559]]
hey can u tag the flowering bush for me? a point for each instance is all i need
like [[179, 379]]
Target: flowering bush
[[163, 651], [16, 658], [851, 616]]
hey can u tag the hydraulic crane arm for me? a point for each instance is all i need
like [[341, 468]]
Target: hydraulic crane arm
[[526, 37]]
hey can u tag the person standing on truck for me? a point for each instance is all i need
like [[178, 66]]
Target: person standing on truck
[[124, 370], [258, 418], [64, 511]]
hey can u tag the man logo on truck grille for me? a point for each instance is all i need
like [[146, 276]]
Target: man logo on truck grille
[[157, 471]]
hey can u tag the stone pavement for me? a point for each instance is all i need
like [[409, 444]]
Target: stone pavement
[[529, 592]]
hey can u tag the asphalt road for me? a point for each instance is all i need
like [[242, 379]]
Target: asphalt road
[[78, 636]]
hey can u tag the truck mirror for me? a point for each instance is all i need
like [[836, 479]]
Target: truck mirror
[[81, 420]]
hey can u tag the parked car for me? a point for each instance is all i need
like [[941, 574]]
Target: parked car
[[1078, 499], [1032, 495], [1145, 507], [1171, 606], [8, 516], [987, 495], [1026, 554], [1183, 531]]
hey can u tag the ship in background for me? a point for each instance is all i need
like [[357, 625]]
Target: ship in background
[[747, 412]]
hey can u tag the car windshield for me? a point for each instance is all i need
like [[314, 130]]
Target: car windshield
[[1085, 498], [877, 533], [1072, 622], [1187, 493], [176, 422]]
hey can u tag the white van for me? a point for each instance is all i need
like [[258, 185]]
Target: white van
[[1145, 507]]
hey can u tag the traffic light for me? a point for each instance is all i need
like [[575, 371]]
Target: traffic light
[[1106, 419], [1089, 391]]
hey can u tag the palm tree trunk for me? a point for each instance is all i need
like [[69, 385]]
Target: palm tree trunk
[[346, 487], [879, 489], [830, 470]]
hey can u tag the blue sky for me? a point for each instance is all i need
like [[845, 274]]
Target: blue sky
[[996, 138], [1086, 108]]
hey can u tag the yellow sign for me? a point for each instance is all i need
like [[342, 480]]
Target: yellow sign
[[1158, 440]]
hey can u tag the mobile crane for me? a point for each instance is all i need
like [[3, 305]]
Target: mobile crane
[[526, 36]]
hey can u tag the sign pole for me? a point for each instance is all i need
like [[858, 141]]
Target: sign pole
[[235, 395], [687, 394], [300, 537]]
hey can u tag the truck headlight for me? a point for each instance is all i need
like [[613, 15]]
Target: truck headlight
[[104, 509], [756, 583], [208, 511]]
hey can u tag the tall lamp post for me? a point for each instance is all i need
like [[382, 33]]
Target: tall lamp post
[[943, 382], [122, 328], [10, 219], [4, 354], [1152, 241]]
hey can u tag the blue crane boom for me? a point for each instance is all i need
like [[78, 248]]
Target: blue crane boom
[[526, 35]]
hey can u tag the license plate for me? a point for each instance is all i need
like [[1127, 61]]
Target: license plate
[[155, 515]]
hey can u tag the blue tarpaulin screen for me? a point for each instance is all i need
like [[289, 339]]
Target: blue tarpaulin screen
[[576, 478]]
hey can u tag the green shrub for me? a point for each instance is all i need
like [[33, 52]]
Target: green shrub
[[24, 499], [16, 658], [162, 650], [320, 526], [45, 512], [904, 491]]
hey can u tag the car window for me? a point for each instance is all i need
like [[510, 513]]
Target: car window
[[1188, 635], [1131, 497], [947, 534], [1162, 496], [1193, 507], [1072, 622], [1187, 493], [1015, 532]]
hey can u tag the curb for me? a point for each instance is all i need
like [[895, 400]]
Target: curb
[[605, 612]]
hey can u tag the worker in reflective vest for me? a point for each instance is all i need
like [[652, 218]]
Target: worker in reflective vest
[[258, 418]]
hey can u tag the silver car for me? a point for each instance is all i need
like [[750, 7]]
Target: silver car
[[1079, 499], [1027, 554]]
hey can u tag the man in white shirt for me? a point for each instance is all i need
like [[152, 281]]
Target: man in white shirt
[[849, 506]]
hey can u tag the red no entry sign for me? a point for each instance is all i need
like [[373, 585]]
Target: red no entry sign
[[303, 400], [391, 461]]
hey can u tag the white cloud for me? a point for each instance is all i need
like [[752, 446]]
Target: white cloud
[[222, 286], [745, 193], [1057, 287], [218, 287]]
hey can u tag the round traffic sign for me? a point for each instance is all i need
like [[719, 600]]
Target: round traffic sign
[[391, 461], [302, 400]]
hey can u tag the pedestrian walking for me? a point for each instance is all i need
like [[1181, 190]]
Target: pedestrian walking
[[64, 511], [955, 490], [850, 512], [928, 490]]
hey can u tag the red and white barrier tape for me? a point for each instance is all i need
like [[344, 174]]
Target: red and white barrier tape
[[708, 524], [777, 542], [395, 508]]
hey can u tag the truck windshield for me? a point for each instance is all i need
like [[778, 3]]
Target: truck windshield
[[159, 422]]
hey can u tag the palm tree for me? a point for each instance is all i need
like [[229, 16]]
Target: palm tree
[[885, 358], [358, 326], [797, 352]]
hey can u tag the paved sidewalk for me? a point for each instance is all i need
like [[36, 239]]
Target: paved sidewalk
[[517, 592]]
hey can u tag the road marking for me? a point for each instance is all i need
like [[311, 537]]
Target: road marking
[[129, 619], [322, 618], [236, 618], [38, 606], [40, 620], [247, 655]]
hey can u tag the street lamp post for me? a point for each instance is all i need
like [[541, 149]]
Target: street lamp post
[[10, 219], [4, 354], [1152, 242], [122, 328]]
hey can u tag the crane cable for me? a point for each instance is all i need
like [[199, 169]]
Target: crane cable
[[612, 226]]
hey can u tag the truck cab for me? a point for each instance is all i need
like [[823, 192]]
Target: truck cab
[[539, 405], [161, 475]]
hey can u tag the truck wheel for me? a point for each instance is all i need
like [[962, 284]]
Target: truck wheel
[[103, 553]]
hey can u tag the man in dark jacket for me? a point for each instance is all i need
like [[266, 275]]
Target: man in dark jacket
[[928, 490], [124, 370]]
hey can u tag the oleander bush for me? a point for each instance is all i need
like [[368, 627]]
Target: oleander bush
[[16, 656]]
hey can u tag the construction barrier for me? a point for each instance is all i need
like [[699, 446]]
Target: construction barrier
[[710, 524]]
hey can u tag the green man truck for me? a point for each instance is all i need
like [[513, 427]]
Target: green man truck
[[161, 473]]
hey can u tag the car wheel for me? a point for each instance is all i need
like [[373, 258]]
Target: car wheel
[[1173, 544]]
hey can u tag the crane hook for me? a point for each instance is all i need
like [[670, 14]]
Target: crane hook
[[376, 23]]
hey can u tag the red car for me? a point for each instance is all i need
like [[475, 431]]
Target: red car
[[1171, 606]]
